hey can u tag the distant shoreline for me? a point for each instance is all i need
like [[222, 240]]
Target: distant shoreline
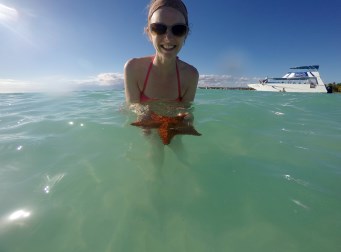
[[226, 88]]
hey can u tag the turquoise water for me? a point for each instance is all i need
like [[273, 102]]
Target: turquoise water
[[264, 175]]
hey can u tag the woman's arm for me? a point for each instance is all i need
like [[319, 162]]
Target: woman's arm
[[132, 91], [192, 83]]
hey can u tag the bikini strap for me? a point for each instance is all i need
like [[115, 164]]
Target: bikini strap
[[147, 76], [178, 76]]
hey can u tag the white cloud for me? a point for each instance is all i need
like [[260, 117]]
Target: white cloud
[[105, 81], [101, 81], [15, 86], [62, 84], [115, 79]]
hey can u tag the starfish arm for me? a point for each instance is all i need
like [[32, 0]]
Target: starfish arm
[[165, 134], [168, 127], [187, 129]]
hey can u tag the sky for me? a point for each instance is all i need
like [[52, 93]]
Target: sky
[[67, 44]]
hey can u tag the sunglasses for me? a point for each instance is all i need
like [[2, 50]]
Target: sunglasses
[[178, 30]]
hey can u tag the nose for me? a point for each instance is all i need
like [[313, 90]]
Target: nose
[[169, 33]]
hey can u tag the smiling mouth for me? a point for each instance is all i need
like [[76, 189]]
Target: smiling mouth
[[168, 47]]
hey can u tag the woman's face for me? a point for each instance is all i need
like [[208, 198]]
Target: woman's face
[[167, 44]]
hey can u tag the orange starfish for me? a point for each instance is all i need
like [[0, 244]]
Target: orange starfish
[[168, 127]]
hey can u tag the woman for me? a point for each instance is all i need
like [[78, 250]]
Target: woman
[[162, 77]]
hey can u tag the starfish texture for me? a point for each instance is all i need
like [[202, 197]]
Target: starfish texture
[[167, 127]]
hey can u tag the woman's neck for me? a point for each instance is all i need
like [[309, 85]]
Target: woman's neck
[[164, 64]]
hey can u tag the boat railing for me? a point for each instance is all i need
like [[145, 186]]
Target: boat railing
[[300, 80]]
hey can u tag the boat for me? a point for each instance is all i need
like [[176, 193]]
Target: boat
[[303, 79]]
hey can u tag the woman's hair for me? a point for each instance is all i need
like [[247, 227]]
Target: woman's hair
[[176, 4]]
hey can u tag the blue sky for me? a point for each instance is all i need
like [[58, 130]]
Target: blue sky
[[51, 44]]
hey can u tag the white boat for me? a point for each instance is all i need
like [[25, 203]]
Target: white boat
[[306, 79]]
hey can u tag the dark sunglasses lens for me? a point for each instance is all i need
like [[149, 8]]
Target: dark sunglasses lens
[[179, 30], [158, 29]]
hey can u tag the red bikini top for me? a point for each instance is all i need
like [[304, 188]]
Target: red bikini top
[[144, 98]]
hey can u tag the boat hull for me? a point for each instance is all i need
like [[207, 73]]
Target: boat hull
[[292, 88]]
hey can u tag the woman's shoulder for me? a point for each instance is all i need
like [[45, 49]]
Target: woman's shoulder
[[190, 73], [189, 81], [137, 63], [190, 70]]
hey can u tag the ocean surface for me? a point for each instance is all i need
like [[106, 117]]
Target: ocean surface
[[264, 176]]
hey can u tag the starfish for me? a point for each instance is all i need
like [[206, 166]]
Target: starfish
[[167, 127]]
